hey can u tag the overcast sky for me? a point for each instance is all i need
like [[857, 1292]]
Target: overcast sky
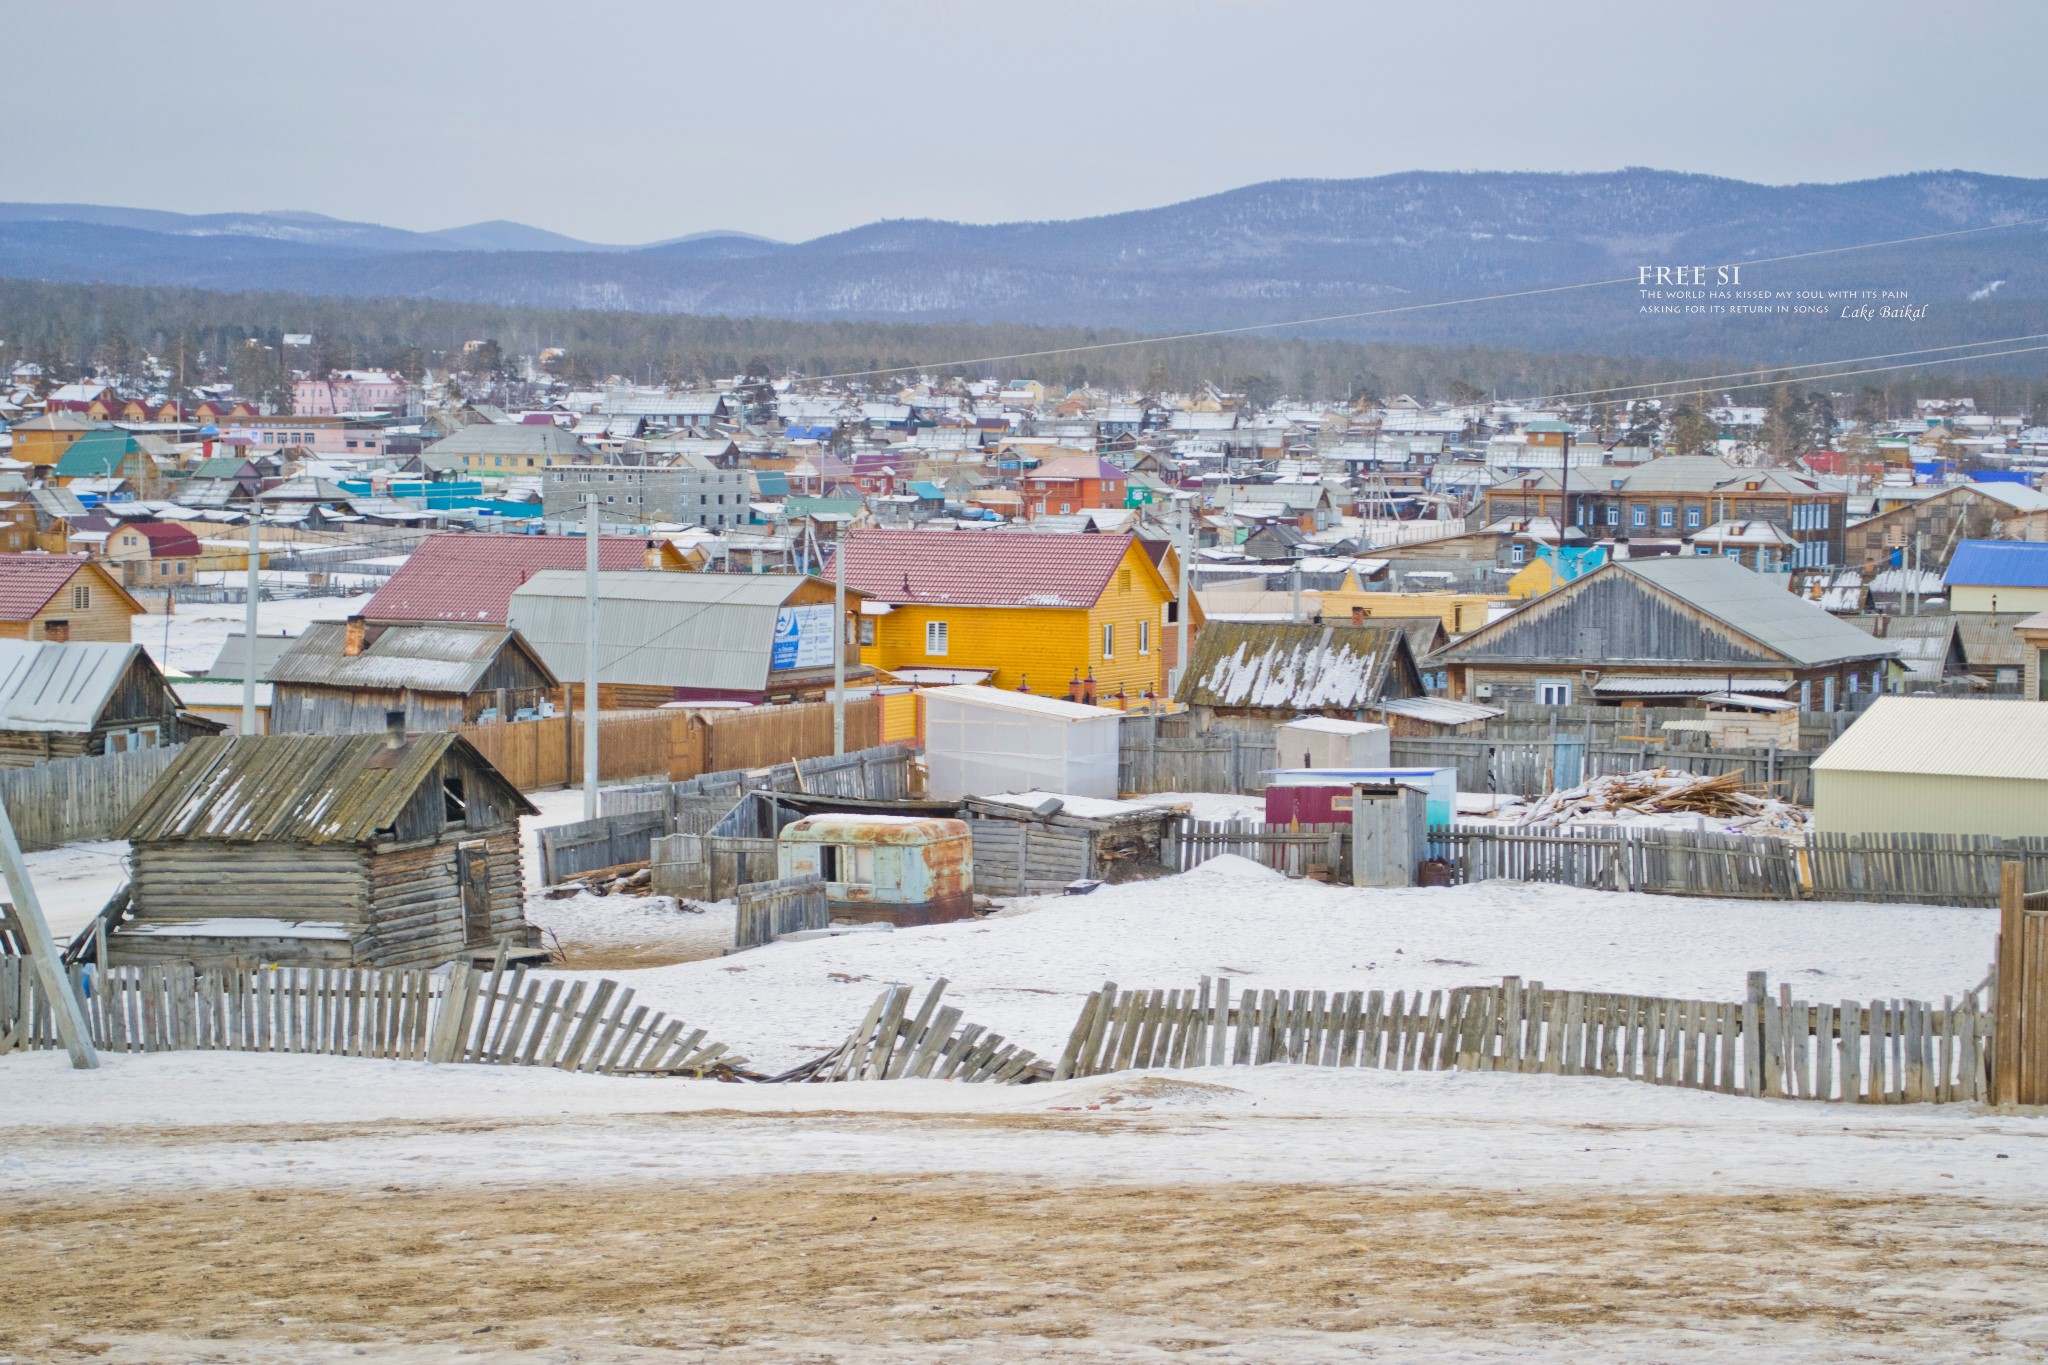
[[635, 120]]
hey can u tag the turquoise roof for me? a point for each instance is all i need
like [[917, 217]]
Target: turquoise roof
[[95, 455]]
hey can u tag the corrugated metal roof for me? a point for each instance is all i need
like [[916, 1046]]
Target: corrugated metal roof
[[1988, 639], [59, 688], [308, 789], [1999, 564], [465, 577], [658, 629], [1944, 737], [982, 568], [1757, 606], [417, 657], [1438, 710], [1291, 667], [1623, 684], [1051, 707]]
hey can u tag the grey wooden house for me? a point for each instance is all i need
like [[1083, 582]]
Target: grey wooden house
[[66, 699], [386, 850], [346, 676], [1675, 631]]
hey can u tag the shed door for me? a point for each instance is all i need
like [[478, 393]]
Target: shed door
[[473, 872]]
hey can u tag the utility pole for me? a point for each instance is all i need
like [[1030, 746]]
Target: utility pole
[[42, 951], [253, 583], [590, 711], [839, 644], [1187, 545]]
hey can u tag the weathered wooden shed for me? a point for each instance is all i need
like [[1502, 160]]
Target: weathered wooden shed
[[383, 850], [62, 700], [345, 676], [1020, 852]]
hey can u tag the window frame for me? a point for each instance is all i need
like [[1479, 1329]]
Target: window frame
[[941, 634]]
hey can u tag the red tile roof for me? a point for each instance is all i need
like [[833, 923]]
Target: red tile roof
[[458, 576], [28, 582], [982, 568], [167, 541]]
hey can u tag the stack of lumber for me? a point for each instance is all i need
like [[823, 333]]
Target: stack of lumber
[[1644, 796]]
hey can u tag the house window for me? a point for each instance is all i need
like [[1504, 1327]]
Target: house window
[[1123, 580], [935, 641], [1692, 518], [867, 631], [1613, 514], [1639, 516], [81, 598], [1554, 693], [1664, 516], [847, 864], [1066, 507], [163, 570], [1144, 637], [1517, 553], [1109, 642]]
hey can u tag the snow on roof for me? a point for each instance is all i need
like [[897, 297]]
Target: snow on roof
[[1051, 707]]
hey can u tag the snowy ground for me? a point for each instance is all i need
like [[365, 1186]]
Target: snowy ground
[[187, 640], [275, 1207], [1025, 971], [1209, 805]]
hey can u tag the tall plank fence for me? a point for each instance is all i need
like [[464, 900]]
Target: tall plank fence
[[69, 799], [1874, 1052]]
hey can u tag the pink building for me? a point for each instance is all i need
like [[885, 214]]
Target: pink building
[[348, 391], [320, 435]]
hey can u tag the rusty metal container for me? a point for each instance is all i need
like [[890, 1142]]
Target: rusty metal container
[[896, 869]]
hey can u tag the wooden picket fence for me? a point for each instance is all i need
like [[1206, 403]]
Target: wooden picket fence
[[768, 910], [463, 1016], [1879, 1052], [1294, 850], [893, 1044], [1668, 862]]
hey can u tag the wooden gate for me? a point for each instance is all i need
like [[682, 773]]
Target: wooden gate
[[2019, 1073]]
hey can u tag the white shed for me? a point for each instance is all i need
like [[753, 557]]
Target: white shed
[[1937, 765], [1326, 742], [982, 740]]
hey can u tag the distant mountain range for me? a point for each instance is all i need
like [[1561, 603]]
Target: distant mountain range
[[1279, 250]]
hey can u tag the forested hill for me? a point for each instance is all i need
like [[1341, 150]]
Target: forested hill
[[1284, 249]]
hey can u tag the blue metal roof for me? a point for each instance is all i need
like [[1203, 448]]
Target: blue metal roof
[[1999, 564]]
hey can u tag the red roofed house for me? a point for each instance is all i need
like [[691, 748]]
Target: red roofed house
[[1033, 610], [62, 597], [1072, 483], [153, 554], [470, 576]]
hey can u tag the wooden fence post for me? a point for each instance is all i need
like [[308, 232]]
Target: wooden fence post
[[2005, 1037]]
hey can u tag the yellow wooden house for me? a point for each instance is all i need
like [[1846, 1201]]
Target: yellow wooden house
[[1029, 611]]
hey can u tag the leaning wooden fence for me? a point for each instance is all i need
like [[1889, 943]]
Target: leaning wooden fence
[[69, 799], [787, 905], [1875, 1052], [461, 1016], [893, 1044]]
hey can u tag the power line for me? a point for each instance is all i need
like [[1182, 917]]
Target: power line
[[1780, 370], [1401, 308]]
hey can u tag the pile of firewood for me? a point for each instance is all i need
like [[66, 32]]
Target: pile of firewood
[[1726, 800], [629, 879]]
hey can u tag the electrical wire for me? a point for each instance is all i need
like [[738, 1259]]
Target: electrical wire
[[1401, 308]]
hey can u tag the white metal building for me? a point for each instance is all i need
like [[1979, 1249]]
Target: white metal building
[[982, 740], [1937, 765]]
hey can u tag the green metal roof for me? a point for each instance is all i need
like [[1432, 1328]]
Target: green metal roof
[[97, 454]]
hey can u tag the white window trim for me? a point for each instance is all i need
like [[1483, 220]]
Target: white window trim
[[1108, 641], [1144, 637], [1553, 692], [939, 634]]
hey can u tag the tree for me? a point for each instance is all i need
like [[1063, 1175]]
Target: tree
[[1692, 431], [1466, 395]]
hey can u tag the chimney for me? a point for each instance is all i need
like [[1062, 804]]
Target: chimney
[[352, 638], [394, 729]]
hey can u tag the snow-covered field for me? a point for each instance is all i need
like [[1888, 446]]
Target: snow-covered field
[[1025, 971], [188, 639], [272, 1207]]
